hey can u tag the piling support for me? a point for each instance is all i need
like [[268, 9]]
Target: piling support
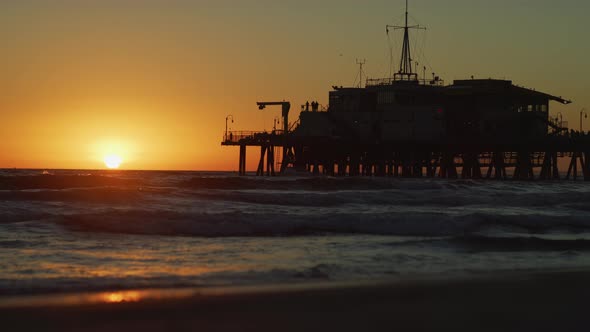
[[242, 163], [448, 168], [288, 158], [368, 169], [471, 166], [417, 167], [270, 161], [315, 168], [354, 165], [396, 169], [342, 167], [524, 167], [430, 168], [573, 167], [555, 166], [389, 168], [497, 166], [406, 165], [549, 168], [260, 169], [381, 168], [330, 168], [425, 159]]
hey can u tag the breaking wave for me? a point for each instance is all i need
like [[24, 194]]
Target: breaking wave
[[274, 224], [181, 204], [79, 230], [49, 181]]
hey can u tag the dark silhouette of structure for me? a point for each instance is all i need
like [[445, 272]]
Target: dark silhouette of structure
[[411, 127]]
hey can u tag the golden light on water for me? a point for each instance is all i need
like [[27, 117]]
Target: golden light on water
[[118, 297]]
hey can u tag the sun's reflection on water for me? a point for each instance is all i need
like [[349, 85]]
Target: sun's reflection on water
[[111, 297], [125, 296]]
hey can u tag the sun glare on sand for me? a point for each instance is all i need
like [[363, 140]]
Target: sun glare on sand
[[112, 161]]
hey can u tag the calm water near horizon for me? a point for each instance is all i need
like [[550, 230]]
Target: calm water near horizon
[[99, 230]]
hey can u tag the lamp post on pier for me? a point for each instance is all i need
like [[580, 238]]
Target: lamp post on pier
[[232, 121]]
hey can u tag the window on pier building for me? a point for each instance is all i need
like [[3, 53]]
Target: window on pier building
[[544, 108]]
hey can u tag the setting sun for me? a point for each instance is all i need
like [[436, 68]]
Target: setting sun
[[112, 161]]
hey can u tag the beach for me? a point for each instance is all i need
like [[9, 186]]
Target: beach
[[533, 301]]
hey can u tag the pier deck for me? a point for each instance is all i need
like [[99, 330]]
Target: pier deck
[[524, 160]]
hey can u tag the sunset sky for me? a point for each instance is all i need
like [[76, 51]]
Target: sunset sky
[[153, 80]]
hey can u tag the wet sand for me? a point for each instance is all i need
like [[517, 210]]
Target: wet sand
[[549, 301]]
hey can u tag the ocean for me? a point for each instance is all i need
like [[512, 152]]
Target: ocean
[[77, 231]]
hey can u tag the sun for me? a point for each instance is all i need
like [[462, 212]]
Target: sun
[[112, 161]]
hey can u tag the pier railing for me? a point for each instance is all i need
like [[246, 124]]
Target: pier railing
[[391, 80], [251, 136], [317, 108], [236, 136]]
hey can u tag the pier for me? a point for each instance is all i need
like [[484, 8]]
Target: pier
[[412, 126], [332, 156]]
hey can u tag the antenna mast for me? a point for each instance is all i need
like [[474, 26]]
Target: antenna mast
[[361, 63], [405, 72]]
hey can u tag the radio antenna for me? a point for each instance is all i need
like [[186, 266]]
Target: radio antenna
[[361, 63], [405, 72]]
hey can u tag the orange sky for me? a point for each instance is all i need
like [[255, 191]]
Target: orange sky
[[154, 80]]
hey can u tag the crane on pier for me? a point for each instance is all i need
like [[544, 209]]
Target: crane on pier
[[286, 106], [288, 153]]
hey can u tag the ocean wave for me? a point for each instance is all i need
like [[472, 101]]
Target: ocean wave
[[20, 214], [48, 181], [477, 243], [10, 244], [316, 183], [173, 196], [231, 224], [103, 195], [440, 198], [323, 183], [36, 285]]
